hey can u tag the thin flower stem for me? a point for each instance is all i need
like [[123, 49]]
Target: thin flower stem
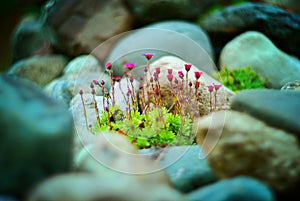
[[84, 110]]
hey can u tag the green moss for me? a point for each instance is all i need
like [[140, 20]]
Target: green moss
[[242, 78], [156, 129]]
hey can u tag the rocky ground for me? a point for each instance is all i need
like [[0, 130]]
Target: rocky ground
[[246, 146]]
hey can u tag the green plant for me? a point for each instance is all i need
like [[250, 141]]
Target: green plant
[[241, 78], [147, 121]]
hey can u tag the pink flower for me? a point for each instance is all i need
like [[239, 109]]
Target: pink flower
[[210, 88], [117, 78], [129, 66], [187, 66], [197, 84], [180, 74], [102, 82], [126, 74], [175, 80], [95, 82], [217, 86], [148, 55], [170, 77], [108, 65], [151, 79], [131, 78], [198, 74], [80, 92], [157, 70], [170, 70]]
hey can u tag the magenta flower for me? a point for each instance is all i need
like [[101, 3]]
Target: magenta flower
[[180, 74], [155, 75], [217, 86], [197, 84], [148, 55], [129, 66], [210, 88], [80, 92], [95, 82], [131, 78], [170, 77], [198, 74], [151, 79], [141, 78], [117, 78], [102, 82], [190, 83], [176, 80], [126, 74], [108, 65], [170, 70], [187, 67], [157, 70]]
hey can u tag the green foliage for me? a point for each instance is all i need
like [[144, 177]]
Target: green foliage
[[157, 128], [242, 78]]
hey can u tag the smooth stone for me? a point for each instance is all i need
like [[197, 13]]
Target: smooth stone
[[185, 169], [178, 38], [280, 26], [294, 85], [289, 5], [31, 37], [91, 187], [36, 136], [81, 26], [40, 69], [256, 50], [238, 144], [235, 189], [168, 9], [277, 108]]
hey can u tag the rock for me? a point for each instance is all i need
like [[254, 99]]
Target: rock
[[78, 75], [60, 90], [238, 144], [238, 188], [31, 37], [282, 27], [7, 198], [39, 69], [289, 5], [256, 50], [80, 26], [177, 64], [275, 107], [36, 136], [181, 9], [89, 187], [185, 169], [178, 38], [295, 85]]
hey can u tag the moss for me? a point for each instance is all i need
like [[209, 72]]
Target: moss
[[240, 79]]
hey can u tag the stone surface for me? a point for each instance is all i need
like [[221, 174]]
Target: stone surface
[[90, 187], [177, 64], [80, 26], [275, 107], [180, 38], [36, 136], [181, 9], [40, 69], [256, 50], [31, 37], [235, 189], [78, 75], [185, 169], [238, 144], [282, 27], [290, 5]]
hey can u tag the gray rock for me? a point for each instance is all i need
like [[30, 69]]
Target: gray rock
[[179, 38], [185, 169], [235, 189], [256, 50], [31, 37], [277, 108], [281, 26], [167, 9], [36, 136], [40, 69], [290, 5], [81, 26]]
